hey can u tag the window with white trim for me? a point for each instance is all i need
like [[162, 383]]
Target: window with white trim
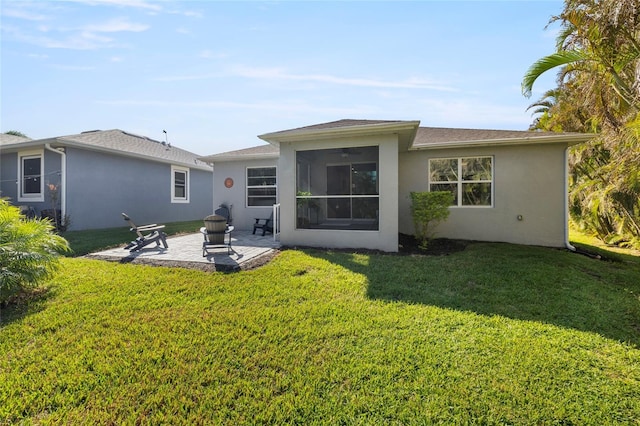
[[179, 184], [470, 179], [30, 171], [261, 186]]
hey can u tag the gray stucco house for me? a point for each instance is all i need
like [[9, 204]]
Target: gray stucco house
[[347, 184], [94, 176]]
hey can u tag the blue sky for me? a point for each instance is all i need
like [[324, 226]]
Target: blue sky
[[216, 74]]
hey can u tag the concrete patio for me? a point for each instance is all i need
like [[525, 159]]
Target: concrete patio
[[248, 251]]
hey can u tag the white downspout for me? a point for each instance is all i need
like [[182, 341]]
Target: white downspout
[[566, 201], [213, 188], [63, 179]]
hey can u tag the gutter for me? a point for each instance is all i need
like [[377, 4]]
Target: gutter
[[63, 178], [567, 244], [527, 140]]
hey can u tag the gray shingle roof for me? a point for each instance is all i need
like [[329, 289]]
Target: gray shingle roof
[[343, 123], [425, 137], [11, 139], [255, 153], [123, 143], [436, 135]]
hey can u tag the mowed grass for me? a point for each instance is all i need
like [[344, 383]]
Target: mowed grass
[[83, 242], [496, 334]]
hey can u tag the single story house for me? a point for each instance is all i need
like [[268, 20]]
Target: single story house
[[347, 184], [94, 176]]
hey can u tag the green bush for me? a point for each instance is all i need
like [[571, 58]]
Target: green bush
[[428, 209], [29, 250]]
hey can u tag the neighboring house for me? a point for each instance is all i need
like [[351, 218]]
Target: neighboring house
[[347, 184], [94, 176]]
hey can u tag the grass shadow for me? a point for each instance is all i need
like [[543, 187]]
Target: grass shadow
[[26, 302], [519, 282]]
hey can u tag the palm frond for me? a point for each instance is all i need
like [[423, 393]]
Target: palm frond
[[549, 62]]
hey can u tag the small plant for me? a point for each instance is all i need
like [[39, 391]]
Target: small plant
[[60, 222], [427, 210], [29, 250], [305, 204]]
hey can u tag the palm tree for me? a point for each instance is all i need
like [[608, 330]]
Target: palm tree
[[598, 54], [599, 43], [28, 250]]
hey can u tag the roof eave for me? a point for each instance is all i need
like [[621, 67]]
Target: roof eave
[[34, 143], [219, 158], [570, 140], [303, 135]]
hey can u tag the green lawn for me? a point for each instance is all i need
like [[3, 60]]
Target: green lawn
[[496, 334], [83, 242]]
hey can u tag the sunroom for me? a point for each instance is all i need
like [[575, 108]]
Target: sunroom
[[338, 189], [338, 183]]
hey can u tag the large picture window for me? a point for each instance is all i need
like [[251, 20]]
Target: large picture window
[[338, 188], [31, 185], [179, 184], [261, 186], [470, 179]]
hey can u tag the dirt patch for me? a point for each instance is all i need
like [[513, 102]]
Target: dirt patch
[[408, 244]]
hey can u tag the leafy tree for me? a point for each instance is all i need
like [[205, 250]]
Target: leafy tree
[[29, 250], [598, 53], [15, 133], [561, 110], [427, 210]]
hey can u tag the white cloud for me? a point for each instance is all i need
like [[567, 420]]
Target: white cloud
[[209, 54], [22, 14], [188, 77], [291, 107], [470, 112], [80, 41], [115, 25], [73, 67], [137, 4], [187, 13], [38, 56], [86, 37], [280, 74]]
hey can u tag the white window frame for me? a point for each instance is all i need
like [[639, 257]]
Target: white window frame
[[248, 187], [459, 182], [187, 183], [39, 197]]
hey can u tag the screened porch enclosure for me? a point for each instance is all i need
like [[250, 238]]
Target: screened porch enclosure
[[337, 188]]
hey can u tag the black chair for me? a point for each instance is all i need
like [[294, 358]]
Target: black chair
[[225, 212], [216, 233], [265, 224]]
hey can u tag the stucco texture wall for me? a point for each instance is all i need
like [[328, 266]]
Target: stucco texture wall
[[101, 186], [529, 181], [385, 238], [9, 177], [243, 217]]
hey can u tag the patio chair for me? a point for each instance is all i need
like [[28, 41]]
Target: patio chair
[[155, 235], [225, 212], [215, 231], [265, 224]]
